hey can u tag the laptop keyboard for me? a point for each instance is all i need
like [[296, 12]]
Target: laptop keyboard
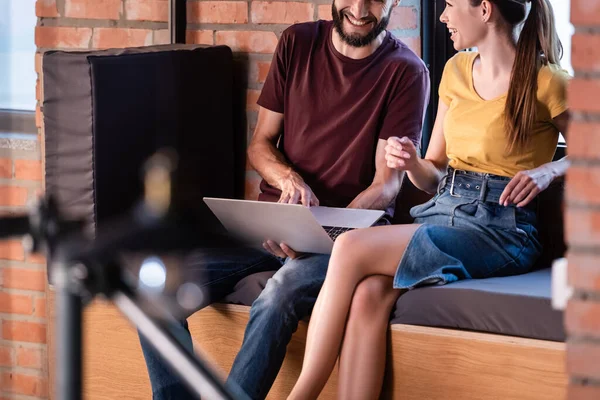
[[335, 231]]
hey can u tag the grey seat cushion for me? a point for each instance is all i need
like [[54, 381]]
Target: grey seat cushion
[[516, 305]]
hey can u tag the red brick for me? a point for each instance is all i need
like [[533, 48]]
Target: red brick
[[93, 9], [582, 227], [13, 196], [28, 170], [583, 185], [582, 359], [121, 37], [251, 98], [199, 37], [30, 357], [584, 140], [5, 168], [11, 250], [217, 12], [147, 10], [27, 279], [583, 318], [39, 309], [263, 70], [46, 8], [263, 12], [28, 385], [162, 36], [23, 331], [404, 18], [38, 63], [6, 356], [36, 259], [11, 303], [580, 392], [585, 52], [585, 12], [248, 41], [38, 90], [583, 271], [583, 95], [414, 43], [62, 37], [39, 117], [324, 11]]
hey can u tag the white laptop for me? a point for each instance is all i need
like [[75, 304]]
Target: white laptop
[[304, 229]]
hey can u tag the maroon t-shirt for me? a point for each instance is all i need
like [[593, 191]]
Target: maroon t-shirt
[[336, 108]]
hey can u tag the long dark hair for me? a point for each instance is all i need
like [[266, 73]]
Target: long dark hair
[[538, 45]]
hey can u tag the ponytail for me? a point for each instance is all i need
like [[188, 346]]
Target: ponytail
[[538, 45]]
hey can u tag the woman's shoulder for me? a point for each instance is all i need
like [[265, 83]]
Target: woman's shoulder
[[462, 60], [552, 80], [552, 88]]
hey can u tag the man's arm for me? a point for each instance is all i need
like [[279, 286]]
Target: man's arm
[[385, 186], [268, 161]]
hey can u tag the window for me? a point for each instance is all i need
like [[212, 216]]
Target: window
[[17, 69], [562, 13]]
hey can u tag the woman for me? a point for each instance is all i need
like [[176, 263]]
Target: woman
[[496, 131]]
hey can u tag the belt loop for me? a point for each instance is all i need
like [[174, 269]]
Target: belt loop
[[482, 193], [452, 185], [443, 182]]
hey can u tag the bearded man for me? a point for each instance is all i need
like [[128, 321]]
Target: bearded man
[[340, 88]]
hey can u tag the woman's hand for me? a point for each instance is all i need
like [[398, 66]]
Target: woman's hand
[[525, 185], [401, 153]]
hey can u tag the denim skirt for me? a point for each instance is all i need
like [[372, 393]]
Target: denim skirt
[[466, 234]]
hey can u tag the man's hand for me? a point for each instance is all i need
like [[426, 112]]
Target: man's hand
[[294, 190], [280, 250], [525, 185], [401, 153]]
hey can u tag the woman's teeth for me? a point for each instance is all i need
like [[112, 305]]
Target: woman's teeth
[[453, 31]]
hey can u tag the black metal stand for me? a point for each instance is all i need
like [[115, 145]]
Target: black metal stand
[[81, 269]]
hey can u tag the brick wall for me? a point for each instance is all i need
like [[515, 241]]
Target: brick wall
[[583, 200], [250, 28], [72, 25]]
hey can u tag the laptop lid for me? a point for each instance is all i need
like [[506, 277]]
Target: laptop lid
[[256, 221]]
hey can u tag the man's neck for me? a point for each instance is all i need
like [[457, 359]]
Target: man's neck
[[356, 52]]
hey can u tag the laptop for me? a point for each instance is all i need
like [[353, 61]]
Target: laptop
[[304, 229]]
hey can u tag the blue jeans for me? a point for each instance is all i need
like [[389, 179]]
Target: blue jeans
[[288, 297]]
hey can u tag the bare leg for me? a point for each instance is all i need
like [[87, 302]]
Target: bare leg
[[356, 255], [362, 359]]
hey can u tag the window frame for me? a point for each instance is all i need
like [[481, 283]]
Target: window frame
[[17, 121], [437, 48]]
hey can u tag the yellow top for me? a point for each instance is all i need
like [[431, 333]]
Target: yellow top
[[474, 128]]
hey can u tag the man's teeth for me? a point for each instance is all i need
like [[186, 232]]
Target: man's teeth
[[356, 22], [453, 31]]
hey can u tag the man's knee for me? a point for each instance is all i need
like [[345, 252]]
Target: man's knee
[[374, 294], [295, 285]]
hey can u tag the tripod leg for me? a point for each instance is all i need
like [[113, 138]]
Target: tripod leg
[[68, 332], [195, 372]]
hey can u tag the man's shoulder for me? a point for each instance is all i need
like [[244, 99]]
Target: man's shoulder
[[403, 57]]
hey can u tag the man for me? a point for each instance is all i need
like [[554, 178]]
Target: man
[[341, 88]]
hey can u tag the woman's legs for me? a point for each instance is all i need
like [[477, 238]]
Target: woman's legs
[[356, 255], [362, 359]]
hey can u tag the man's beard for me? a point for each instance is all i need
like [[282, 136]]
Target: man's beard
[[356, 40]]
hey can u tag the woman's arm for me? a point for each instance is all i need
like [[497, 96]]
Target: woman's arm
[[426, 173], [527, 184]]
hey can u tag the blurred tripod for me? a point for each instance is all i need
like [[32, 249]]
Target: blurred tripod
[[82, 268]]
